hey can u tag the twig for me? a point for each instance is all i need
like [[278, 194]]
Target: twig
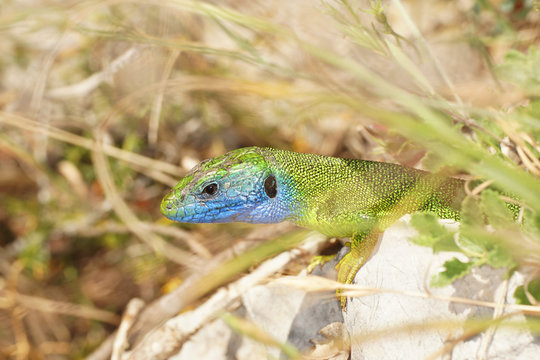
[[83, 88], [168, 338], [120, 344]]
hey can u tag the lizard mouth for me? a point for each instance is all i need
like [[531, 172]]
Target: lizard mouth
[[169, 206], [176, 210]]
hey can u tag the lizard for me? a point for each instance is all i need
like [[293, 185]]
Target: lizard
[[343, 198]]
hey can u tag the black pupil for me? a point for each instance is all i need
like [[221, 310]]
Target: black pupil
[[270, 186], [210, 189]]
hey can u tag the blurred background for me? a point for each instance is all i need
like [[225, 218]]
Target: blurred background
[[104, 105]]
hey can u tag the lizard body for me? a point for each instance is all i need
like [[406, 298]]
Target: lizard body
[[338, 197]]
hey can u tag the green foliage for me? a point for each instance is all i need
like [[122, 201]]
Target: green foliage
[[531, 223], [498, 212], [433, 234], [533, 291], [35, 256], [453, 269], [502, 14], [522, 70], [528, 118], [484, 236]]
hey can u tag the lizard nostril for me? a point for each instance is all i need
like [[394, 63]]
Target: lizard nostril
[[169, 206]]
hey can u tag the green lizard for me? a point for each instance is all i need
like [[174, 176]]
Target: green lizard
[[338, 197]]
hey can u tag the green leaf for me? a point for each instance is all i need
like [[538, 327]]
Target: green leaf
[[534, 290], [531, 223], [469, 243], [471, 213], [453, 269], [521, 298], [472, 237], [496, 210], [499, 257], [432, 234]]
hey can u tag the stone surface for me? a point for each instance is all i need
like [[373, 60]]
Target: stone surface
[[398, 325], [287, 314], [292, 315], [403, 321]]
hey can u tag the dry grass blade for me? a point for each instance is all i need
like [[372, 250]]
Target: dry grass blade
[[85, 87], [21, 349], [137, 160], [425, 45], [59, 307], [125, 213], [253, 331], [497, 314], [153, 124], [319, 284]]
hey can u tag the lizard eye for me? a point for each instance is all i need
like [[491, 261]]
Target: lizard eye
[[270, 186], [210, 189]]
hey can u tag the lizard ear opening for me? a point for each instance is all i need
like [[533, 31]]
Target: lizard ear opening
[[270, 186]]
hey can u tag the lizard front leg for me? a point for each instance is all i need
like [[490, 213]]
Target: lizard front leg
[[362, 246]]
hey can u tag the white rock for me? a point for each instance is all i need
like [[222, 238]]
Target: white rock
[[409, 327]]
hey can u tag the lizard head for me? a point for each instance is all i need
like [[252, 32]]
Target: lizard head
[[241, 185]]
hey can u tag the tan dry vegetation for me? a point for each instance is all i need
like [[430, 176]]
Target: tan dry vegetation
[[105, 104]]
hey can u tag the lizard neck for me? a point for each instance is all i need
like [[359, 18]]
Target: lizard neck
[[341, 197]]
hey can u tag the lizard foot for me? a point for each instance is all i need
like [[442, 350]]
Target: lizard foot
[[361, 249], [347, 268]]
